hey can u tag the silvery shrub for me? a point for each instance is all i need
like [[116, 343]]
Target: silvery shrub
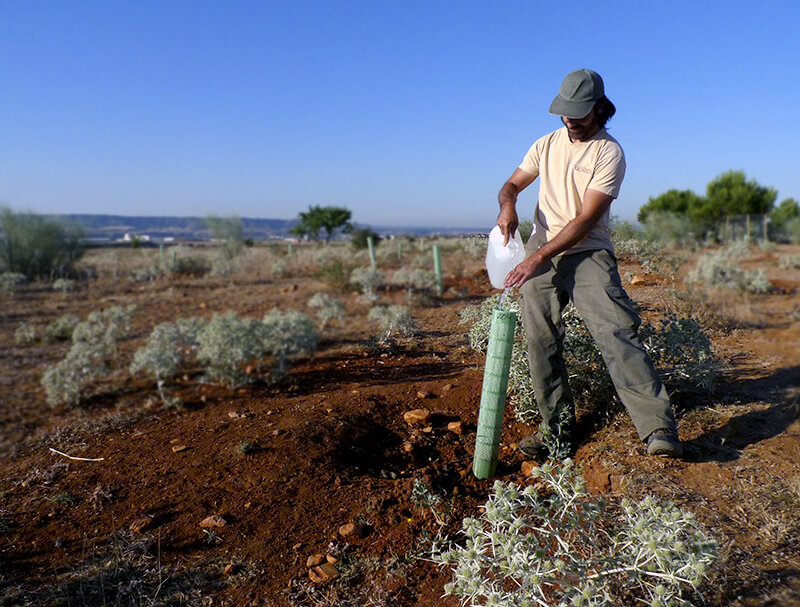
[[287, 335], [718, 270], [25, 334], [552, 544], [65, 285], [227, 343], [61, 328], [393, 319], [368, 279], [10, 280], [328, 308], [678, 347], [94, 346]]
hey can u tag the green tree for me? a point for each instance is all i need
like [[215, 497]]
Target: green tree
[[36, 246], [788, 209], [312, 222], [732, 194], [359, 238], [679, 202]]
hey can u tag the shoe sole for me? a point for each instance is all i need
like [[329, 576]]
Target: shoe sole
[[665, 449]]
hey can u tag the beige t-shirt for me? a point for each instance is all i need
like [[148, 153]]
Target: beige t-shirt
[[566, 169]]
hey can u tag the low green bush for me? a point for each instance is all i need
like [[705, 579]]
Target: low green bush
[[65, 285], [554, 545], [94, 346], [61, 328], [287, 335], [678, 347], [718, 270], [11, 280], [227, 343], [393, 319], [681, 349], [328, 308], [788, 262], [25, 334], [368, 280], [419, 279]]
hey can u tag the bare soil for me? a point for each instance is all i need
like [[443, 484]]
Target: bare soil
[[332, 447]]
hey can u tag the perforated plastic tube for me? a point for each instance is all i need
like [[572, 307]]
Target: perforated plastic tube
[[371, 247], [493, 393], [437, 269]]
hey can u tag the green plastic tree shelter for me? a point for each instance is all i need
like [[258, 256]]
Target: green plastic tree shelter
[[493, 393], [437, 269], [371, 247]]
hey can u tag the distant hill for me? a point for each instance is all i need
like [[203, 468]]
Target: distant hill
[[115, 227]]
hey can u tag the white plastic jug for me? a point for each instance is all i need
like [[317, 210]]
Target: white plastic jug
[[500, 260]]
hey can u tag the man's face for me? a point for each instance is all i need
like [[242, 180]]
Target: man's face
[[580, 129]]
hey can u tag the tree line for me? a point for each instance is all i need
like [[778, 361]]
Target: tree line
[[728, 195]]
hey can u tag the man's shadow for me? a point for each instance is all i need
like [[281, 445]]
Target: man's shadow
[[726, 442]]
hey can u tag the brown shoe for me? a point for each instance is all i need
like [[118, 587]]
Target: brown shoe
[[665, 443]]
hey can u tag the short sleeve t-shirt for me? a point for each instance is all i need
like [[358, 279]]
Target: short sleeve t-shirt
[[566, 169]]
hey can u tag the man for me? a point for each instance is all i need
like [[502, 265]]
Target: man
[[571, 258]]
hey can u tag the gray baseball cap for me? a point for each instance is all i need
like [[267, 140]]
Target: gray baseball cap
[[578, 93]]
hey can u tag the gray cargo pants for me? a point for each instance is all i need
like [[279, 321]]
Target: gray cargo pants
[[590, 279]]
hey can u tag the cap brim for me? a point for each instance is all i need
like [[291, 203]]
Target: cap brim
[[571, 109]]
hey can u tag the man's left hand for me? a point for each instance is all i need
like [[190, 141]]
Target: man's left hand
[[523, 271]]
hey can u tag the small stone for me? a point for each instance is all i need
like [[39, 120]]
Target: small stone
[[352, 530], [637, 280], [314, 560], [323, 573], [179, 448], [417, 416], [233, 414], [423, 395], [140, 525], [527, 468], [277, 432], [447, 387], [248, 505], [427, 429], [230, 569], [408, 447], [215, 520], [456, 427], [174, 441], [203, 304], [332, 559], [297, 546]]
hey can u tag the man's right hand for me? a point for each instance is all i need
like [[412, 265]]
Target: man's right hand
[[507, 219]]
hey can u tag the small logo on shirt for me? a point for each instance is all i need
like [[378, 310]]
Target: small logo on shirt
[[586, 170]]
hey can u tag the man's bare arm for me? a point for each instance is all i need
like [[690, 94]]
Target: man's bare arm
[[508, 219], [595, 204]]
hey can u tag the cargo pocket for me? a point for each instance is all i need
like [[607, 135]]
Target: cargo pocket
[[625, 312]]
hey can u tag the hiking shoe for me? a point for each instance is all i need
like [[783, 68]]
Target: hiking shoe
[[664, 442], [533, 446]]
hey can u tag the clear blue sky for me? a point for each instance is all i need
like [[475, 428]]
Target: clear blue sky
[[407, 113]]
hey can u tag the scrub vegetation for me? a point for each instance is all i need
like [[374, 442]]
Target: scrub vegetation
[[157, 392]]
